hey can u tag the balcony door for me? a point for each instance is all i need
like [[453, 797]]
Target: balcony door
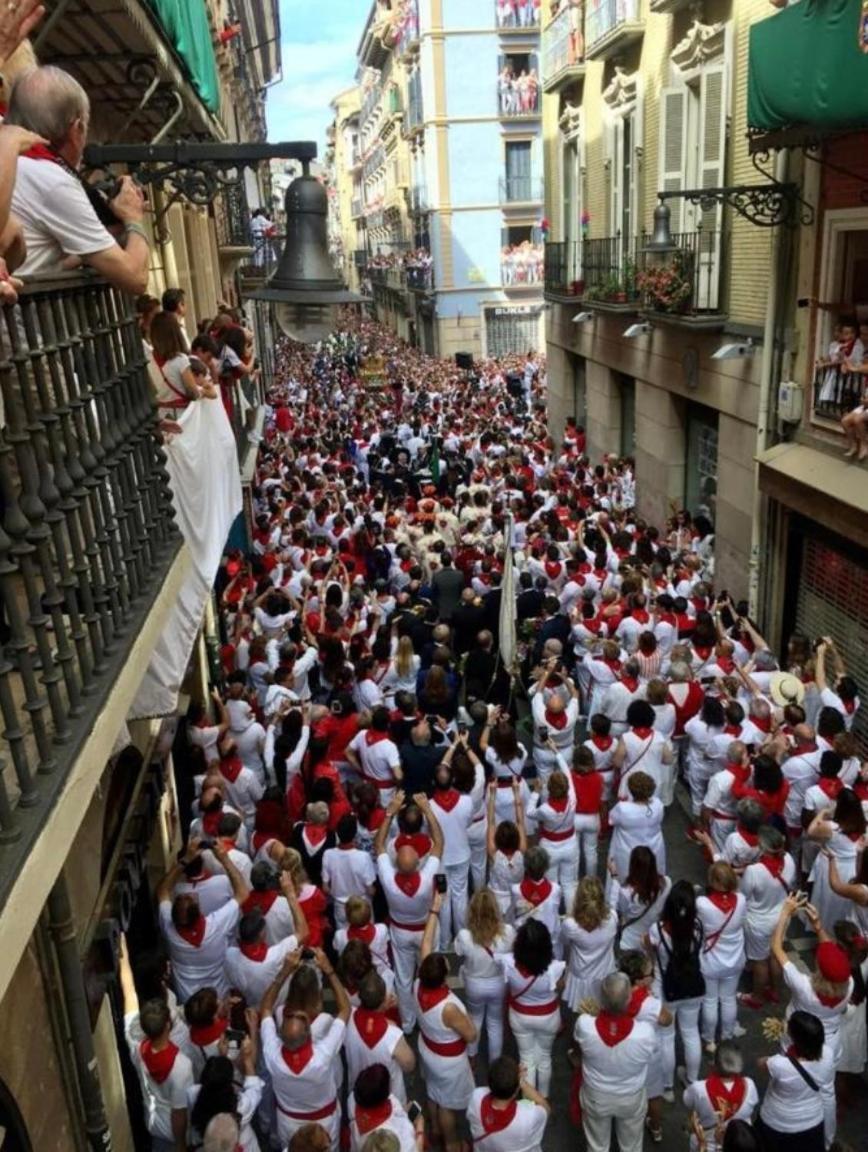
[[518, 170], [571, 204], [623, 142]]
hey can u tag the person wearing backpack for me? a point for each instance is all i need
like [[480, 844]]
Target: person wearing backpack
[[676, 942]]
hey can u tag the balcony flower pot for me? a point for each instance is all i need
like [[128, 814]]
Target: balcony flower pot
[[577, 287]]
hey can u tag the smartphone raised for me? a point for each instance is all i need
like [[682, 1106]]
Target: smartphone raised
[[440, 882]]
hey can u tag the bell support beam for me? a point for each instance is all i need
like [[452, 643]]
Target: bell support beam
[[766, 205]]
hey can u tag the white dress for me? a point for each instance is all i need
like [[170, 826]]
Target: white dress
[[635, 917], [590, 957], [505, 872], [635, 824], [448, 1077]]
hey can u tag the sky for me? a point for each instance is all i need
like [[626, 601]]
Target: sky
[[319, 40]]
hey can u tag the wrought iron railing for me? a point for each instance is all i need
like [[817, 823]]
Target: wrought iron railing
[[603, 16], [688, 282], [516, 14], [87, 533], [610, 269], [232, 218], [420, 279], [520, 189], [262, 262], [517, 97], [562, 264], [836, 391], [563, 43]]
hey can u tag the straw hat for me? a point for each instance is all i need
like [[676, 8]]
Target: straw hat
[[784, 689]]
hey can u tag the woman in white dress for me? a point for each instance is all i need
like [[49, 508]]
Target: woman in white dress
[[700, 730], [534, 980], [500, 748], [854, 889], [766, 883], [445, 1031], [588, 938], [642, 749], [485, 936], [506, 846], [721, 912], [636, 821], [640, 899], [555, 816], [842, 833]]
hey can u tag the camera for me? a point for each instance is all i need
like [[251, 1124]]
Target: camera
[[308, 956]]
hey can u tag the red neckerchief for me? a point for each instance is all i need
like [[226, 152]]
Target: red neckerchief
[[208, 1033], [733, 730], [739, 772], [315, 834], [613, 1029], [230, 768], [364, 932], [702, 652], [430, 997], [558, 805], [803, 749], [726, 1101], [553, 569], [723, 901], [371, 1026], [255, 952], [297, 1061], [774, 864], [556, 719], [750, 838], [640, 615], [726, 663], [849, 706], [536, 892], [631, 683], [764, 723], [260, 902], [372, 737], [826, 1000], [446, 798], [667, 617], [831, 786], [613, 665], [211, 822], [367, 1119], [495, 1119], [643, 733], [408, 882], [159, 1064], [260, 839], [637, 998], [419, 842], [604, 743], [195, 934]]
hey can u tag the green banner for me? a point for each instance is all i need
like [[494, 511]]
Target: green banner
[[188, 29]]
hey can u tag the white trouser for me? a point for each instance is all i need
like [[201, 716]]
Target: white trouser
[[720, 989], [626, 1113], [339, 907], [405, 957], [485, 1001], [535, 1037], [686, 1013], [563, 866], [698, 776], [588, 830], [476, 837], [453, 911]]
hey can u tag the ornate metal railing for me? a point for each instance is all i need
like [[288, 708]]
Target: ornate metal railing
[[836, 391], [262, 262], [562, 262], [513, 15], [87, 532], [602, 17]]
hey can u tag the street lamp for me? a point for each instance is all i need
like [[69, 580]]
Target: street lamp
[[305, 290]]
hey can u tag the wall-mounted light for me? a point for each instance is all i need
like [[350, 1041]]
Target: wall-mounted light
[[641, 328], [583, 317], [735, 351]]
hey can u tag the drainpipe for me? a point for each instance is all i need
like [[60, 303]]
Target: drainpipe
[[65, 939], [770, 360]]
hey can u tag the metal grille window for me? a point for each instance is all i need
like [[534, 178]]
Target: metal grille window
[[511, 333], [833, 601], [701, 480]]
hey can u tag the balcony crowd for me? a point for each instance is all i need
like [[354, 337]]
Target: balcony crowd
[[417, 870], [522, 263], [518, 13], [518, 95]]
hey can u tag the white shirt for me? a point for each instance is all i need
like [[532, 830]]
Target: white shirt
[[194, 968], [347, 872], [524, 1133], [378, 759], [765, 893], [696, 1100], [398, 1124], [531, 991], [253, 978], [160, 1100], [618, 1071], [56, 216], [318, 1083], [362, 1052], [212, 892], [480, 963], [723, 945], [791, 1105], [408, 911]]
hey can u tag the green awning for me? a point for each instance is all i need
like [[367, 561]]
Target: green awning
[[186, 24], [808, 68]]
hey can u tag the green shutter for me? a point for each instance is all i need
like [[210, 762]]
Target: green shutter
[[187, 27]]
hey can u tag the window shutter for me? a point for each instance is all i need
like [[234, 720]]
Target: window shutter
[[673, 148], [712, 159], [638, 143], [614, 155]]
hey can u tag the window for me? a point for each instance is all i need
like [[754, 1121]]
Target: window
[[518, 91], [521, 255], [693, 127], [511, 331], [627, 390], [700, 494], [623, 140], [518, 170], [843, 280]]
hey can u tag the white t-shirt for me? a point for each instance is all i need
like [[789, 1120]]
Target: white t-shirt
[[348, 872], [162, 1099], [203, 966], [790, 1104], [620, 1070], [524, 1132], [171, 379], [56, 216]]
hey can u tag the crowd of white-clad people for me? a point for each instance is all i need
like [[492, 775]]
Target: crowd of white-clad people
[[409, 868]]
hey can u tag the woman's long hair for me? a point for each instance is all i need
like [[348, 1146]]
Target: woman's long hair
[[483, 918], [642, 875], [217, 1093], [404, 657], [679, 919]]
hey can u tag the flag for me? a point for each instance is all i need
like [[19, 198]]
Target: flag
[[507, 605], [434, 464]]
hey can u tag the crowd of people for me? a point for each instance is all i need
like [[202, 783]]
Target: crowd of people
[[518, 13], [522, 263], [411, 866], [518, 94]]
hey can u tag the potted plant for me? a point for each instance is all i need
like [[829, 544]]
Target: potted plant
[[577, 287], [613, 290], [669, 287]]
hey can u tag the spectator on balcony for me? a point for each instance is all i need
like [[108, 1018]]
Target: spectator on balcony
[[14, 142], [65, 221], [175, 303], [176, 383], [262, 230]]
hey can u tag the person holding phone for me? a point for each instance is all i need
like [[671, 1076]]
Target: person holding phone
[[509, 1114]]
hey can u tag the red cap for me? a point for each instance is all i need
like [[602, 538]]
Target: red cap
[[233, 568], [833, 963]]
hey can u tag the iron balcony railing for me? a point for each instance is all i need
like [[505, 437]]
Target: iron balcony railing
[[517, 97], [688, 282], [232, 218], [87, 533], [563, 45], [262, 262], [603, 16], [610, 269], [516, 14], [836, 391], [562, 263], [420, 279], [520, 190]]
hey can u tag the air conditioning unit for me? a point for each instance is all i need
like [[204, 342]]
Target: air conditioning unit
[[791, 398]]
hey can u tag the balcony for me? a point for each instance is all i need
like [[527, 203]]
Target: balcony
[[518, 98], [413, 118], [835, 393], [688, 288], [516, 16], [562, 268], [610, 26], [610, 268], [264, 256], [563, 50], [419, 198], [522, 190], [87, 542], [522, 266], [421, 278]]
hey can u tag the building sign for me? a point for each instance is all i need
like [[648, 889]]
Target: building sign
[[519, 310]]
